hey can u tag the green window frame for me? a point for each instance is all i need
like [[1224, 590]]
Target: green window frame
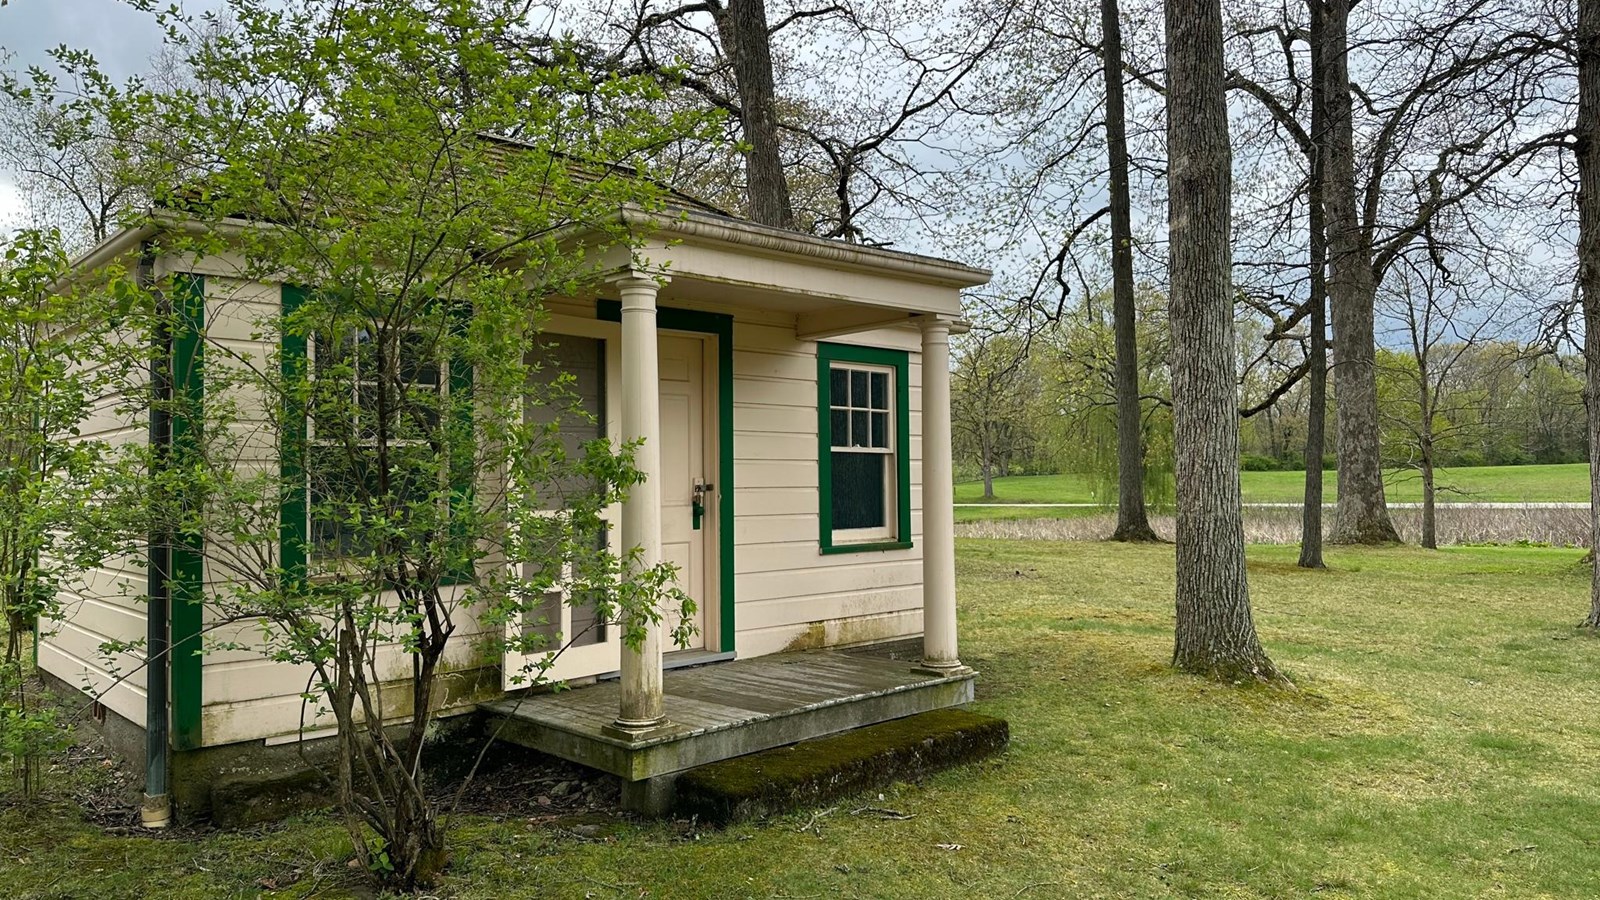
[[829, 358]]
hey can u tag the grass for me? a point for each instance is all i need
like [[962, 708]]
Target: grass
[[1500, 484], [1440, 744]]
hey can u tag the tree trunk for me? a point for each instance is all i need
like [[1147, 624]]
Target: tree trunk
[[1588, 134], [1317, 365], [1215, 633], [1363, 516], [748, 44], [1430, 537], [987, 463], [1133, 524], [1317, 387]]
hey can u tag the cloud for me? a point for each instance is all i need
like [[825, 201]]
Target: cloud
[[121, 38]]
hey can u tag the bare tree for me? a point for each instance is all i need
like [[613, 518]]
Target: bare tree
[[1443, 321], [1133, 524], [825, 152], [1317, 351], [1588, 152], [70, 174], [991, 398], [1215, 632]]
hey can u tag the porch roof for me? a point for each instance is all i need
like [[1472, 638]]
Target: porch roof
[[830, 286]]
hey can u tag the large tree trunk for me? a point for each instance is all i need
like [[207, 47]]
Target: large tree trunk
[[1363, 516], [1132, 522], [1589, 264], [1215, 634], [748, 44], [1317, 365]]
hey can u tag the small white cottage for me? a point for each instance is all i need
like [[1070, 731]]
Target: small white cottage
[[793, 394]]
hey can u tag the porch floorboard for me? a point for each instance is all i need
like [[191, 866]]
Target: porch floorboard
[[729, 709]]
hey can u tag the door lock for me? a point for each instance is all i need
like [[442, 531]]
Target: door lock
[[701, 488]]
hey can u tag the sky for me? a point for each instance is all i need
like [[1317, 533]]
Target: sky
[[122, 38]]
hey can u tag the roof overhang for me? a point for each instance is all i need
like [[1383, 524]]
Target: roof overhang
[[831, 287]]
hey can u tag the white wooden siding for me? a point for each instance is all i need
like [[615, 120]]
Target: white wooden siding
[[787, 593], [105, 604]]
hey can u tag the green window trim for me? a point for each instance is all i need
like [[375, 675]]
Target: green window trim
[[186, 575], [720, 325], [899, 361], [294, 508]]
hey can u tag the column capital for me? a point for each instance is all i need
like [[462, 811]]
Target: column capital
[[638, 280], [936, 324]]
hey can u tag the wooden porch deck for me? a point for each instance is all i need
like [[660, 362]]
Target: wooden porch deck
[[729, 709]]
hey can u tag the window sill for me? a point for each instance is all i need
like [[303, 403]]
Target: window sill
[[865, 547]]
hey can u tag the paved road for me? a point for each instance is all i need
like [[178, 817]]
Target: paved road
[[1482, 505]]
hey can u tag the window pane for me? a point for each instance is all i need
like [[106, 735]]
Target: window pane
[[839, 387], [880, 390], [360, 345], [348, 486], [880, 430], [367, 395], [860, 429], [544, 620], [418, 362], [587, 626], [576, 405], [858, 389], [840, 428], [327, 356], [858, 490]]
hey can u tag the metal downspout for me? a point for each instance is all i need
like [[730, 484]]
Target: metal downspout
[[156, 810]]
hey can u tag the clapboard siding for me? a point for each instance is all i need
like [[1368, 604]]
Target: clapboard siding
[[105, 604], [834, 632], [788, 593]]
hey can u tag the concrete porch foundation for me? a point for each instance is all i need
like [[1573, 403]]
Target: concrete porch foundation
[[725, 710]]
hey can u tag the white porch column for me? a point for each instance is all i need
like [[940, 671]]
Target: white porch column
[[938, 499], [641, 707]]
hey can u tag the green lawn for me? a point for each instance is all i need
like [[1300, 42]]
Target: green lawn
[[1507, 484], [1441, 743]]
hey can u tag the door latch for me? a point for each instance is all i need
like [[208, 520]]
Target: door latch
[[701, 488]]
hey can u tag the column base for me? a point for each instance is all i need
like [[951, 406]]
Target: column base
[[637, 732], [943, 669]]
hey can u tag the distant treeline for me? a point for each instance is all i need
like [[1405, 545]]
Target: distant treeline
[[1049, 410]]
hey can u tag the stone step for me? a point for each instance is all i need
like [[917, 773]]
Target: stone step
[[817, 771]]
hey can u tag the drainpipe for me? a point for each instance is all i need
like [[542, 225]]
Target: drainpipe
[[156, 810]]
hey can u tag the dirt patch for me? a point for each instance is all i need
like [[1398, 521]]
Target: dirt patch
[[514, 782], [87, 772]]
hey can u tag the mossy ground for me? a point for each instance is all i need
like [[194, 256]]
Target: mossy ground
[[1440, 743]]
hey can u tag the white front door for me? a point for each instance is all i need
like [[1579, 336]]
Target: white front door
[[590, 352], [685, 513]]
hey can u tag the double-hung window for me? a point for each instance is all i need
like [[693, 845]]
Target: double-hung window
[[369, 452], [863, 452]]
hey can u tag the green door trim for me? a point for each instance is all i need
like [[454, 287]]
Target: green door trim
[[720, 325]]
